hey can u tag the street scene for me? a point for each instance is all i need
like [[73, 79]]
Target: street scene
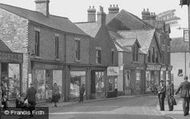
[[95, 59]]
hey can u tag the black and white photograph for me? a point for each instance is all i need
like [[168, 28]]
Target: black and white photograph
[[94, 59]]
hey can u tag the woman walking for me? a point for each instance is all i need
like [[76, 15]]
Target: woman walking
[[55, 94]]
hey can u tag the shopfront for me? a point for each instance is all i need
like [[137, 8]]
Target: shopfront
[[77, 79], [98, 83], [11, 73], [44, 77], [152, 76], [112, 73]]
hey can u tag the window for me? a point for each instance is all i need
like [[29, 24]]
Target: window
[[135, 53], [149, 56], [153, 55], [37, 43], [112, 56], [98, 55], [77, 49], [57, 46], [157, 59], [180, 72]]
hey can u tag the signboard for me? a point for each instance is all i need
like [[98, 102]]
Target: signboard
[[186, 35], [113, 71], [153, 67], [11, 57], [163, 68]]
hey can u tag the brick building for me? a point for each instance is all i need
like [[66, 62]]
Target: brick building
[[103, 54], [52, 48]]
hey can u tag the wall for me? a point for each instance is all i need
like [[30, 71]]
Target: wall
[[178, 62], [14, 33]]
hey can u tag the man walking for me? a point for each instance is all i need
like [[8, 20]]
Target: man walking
[[185, 88], [170, 94], [82, 89], [161, 94], [31, 97]]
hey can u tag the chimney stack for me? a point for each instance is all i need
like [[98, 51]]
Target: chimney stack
[[91, 14], [101, 17], [146, 15], [42, 6], [113, 9]]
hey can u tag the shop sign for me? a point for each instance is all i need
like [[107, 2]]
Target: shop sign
[[47, 66], [140, 68], [10, 57], [113, 71], [153, 67], [170, 68], [163, 68]]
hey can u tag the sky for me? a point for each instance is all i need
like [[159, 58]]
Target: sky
[[76, 10]]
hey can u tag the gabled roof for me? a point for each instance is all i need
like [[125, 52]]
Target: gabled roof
[[179, 45], [123, 44], [143, 36], [55, 22], [129, 20], [90, 28]]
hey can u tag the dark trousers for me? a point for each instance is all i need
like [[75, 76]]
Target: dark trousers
[[170, 105], [161, 103], [31, 107], [81, 98], [186, 105]]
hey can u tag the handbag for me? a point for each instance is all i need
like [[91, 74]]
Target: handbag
[[173, 101]]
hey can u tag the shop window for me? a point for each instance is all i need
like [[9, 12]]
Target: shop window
[[77, 49], [78, 78], [100, 87], [57, 46], [37, 42], [98, 55]]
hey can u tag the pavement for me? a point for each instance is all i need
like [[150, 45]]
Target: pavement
[[177, 113]]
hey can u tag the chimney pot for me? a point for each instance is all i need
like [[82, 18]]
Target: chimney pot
[[91, 14]]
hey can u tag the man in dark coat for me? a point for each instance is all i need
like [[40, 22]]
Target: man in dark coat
[[31, 97], [82, 89], [184, 88], [170, 94], [161, 94]]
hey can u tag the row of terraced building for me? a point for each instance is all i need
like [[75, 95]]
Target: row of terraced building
[[113, 52]]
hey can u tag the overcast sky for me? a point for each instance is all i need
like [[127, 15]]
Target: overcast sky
[[76, 10]]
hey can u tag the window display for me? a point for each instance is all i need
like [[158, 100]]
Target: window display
[[100, 87], [138, 80], [40, 84], [77, 79]]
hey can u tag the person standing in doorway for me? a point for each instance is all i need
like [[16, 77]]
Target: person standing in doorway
[[161, 94], [4, 96], [184, 88], [55, 94], [170, 94], [82, 90], [31, 97]]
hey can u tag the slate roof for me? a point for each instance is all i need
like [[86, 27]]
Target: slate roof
[[90, 28], [179, 45], [143, 36], [55, 22], [131, 21]]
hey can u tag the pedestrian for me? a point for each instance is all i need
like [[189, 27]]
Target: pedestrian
[[82, 90], [4, 96], [170, 94], [184, 88], [55, 94], [31, 98], [161, 94]]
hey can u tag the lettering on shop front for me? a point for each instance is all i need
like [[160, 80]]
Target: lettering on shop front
[[153, 67], [11, 57]]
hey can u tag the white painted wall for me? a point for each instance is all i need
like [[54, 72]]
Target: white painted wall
[[178, 62]]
